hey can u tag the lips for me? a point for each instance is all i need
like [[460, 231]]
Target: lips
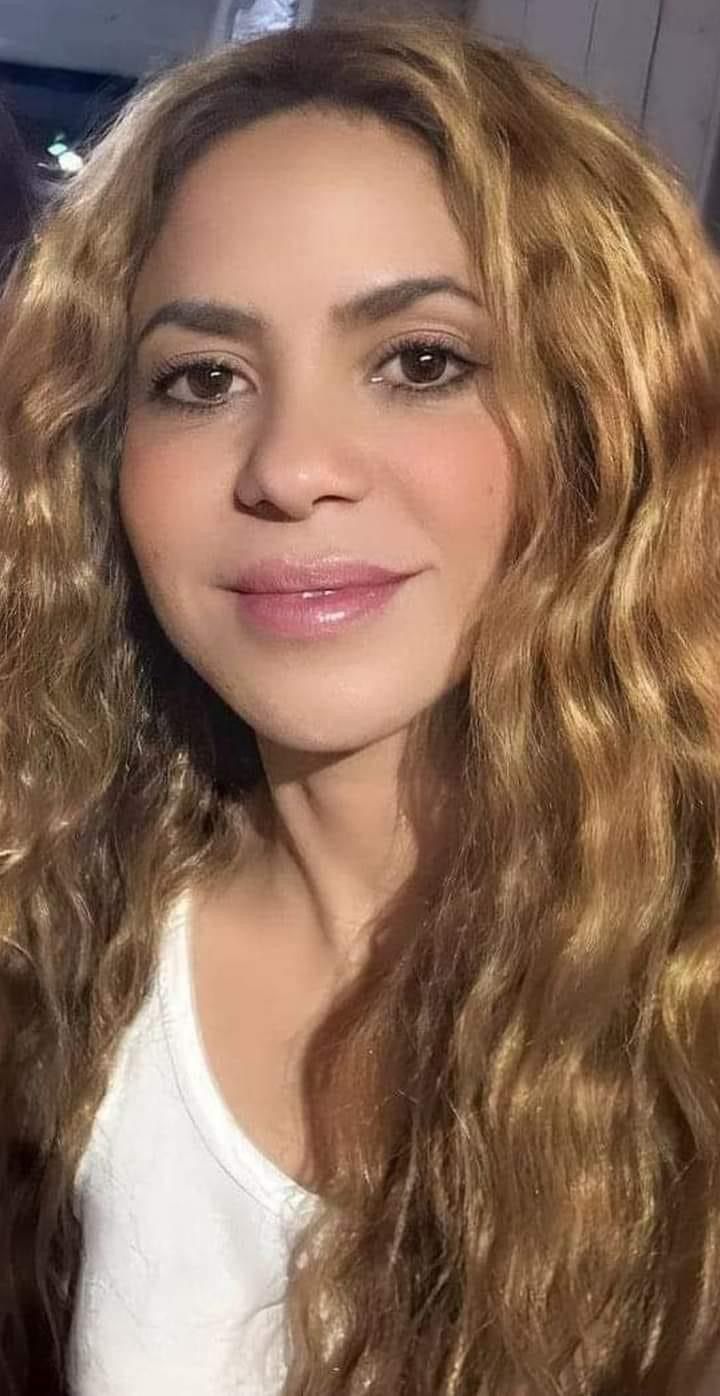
[[303, 601], [283, 577]]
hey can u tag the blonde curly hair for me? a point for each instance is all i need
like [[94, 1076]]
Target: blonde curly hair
[[529, 1199]]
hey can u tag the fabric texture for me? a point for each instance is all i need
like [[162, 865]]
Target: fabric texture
[[187, 1225]]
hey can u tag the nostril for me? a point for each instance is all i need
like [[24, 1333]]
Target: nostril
[[265, 509]]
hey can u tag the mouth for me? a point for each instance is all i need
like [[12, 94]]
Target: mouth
[[280, 576], [311, 611]]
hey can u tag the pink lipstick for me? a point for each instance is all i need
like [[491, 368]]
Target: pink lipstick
[[302, 600]]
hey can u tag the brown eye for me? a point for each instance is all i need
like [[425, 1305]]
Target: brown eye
[[208, 382], [424, 365], [421, 367]]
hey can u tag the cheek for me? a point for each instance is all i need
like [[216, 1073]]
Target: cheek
[[143, 481], [162, 512], [461, 483], [161, 494]]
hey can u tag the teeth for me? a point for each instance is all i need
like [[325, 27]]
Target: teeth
[[331, 592]]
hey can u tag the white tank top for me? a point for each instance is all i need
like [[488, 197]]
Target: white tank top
[[186, 1224]]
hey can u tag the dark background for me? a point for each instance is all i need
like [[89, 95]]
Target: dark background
[[68, 65], [46, 101]]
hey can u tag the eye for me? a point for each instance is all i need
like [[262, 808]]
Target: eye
[[202, 383], [413, 366], [424, 365]]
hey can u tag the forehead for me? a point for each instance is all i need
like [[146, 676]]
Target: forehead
[[304, 202]]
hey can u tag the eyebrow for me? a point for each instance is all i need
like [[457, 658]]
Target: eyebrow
[[366, 308]]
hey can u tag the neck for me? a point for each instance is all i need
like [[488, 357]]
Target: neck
[[340, 836]]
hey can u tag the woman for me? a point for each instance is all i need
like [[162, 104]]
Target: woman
[[361, 743]]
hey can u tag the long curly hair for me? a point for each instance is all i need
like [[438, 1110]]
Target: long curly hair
[[524, 1197]]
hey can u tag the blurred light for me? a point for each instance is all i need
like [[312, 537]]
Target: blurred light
[[58, 147], [256, 17], [70, 161]]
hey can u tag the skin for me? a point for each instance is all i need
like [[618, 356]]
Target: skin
[[314, 451]]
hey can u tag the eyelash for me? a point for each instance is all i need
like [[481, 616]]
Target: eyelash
[[172, 370]]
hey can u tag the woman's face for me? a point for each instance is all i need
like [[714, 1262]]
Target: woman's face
[[295, 402]]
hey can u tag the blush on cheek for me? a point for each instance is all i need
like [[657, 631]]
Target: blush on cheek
[[145, 504], [153, 485], [467, 475]]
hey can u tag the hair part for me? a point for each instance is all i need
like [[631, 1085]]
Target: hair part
[[523, 1196]]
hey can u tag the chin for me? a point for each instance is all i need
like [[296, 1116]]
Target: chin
[[332, 713], [326, 727], [325, 739]]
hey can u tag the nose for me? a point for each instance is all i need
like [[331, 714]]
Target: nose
[[304, 452]]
